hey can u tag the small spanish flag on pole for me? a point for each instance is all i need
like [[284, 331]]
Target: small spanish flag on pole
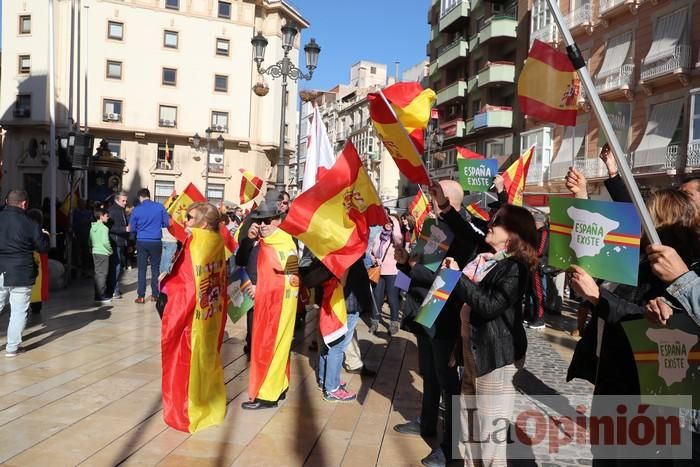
[[514, 177], [250, 186], [548, 86], [476, 211], [169, 200], [177, 210], [464, 153], [419, 209]]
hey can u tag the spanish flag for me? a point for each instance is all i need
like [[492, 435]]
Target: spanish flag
[[333, 318], [419, 209], [194, 395], [177, 209], [464, 153], [333, 217], [475, 210], [250, 186], [400, 114], [514, 177], [40, 290], [169, 200], [548, 86]]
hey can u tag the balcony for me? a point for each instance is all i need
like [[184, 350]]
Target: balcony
[[674, 158], [664, 69], [581, 17], [494, 117], [548, 34], [433, 68], [21, 112], [693, 161], [456, 90], [666, 159], [454, 129], [496, 73], [162, 164], [498, 27], [612, 8], [454, 14], [616, 84], [472, 84], [457, 49]]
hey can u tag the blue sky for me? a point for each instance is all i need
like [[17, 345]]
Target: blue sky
[[378, 30]]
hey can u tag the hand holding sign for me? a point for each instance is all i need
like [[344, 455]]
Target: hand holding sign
[[584, 285], [477, 175]]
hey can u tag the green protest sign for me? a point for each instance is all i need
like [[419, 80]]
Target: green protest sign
[[477, 174]]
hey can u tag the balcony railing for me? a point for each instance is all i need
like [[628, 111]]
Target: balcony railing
[[674, 158], [659, 66], [607, 5], [162, 164], [581, 16], [590, 168], [547, 34], [624, 77], [693, 161]]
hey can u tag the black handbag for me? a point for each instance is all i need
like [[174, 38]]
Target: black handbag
[[312, 271], [161, 301]]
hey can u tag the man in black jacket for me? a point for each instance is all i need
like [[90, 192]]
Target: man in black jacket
[[20, 237], [119, 238]]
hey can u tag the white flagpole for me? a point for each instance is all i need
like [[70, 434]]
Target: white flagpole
[[597, 105]]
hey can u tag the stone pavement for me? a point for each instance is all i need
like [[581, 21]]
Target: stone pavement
[[87, 392]]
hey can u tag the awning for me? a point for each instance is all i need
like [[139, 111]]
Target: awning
[[574, 136], [668, 32], [616, 53], [661, 126]]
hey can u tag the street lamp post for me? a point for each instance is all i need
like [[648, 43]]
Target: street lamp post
[[286, 69], [196, 141]]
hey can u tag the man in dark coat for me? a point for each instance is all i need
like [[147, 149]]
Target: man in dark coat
[[20, 237], [119, 238]]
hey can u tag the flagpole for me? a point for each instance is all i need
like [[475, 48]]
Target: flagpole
[[623, 168]]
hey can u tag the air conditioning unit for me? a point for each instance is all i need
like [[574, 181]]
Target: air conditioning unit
[[21, 113], [111, 117], [220, 128], [167, 123]]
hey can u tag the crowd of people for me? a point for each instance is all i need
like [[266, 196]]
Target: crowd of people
[[475, 346]]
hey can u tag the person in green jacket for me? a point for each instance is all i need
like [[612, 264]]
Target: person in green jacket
[[101, 251]]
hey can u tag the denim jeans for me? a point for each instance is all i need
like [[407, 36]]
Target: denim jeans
[[117, 264], [331, 358], [19, 298], [166, 260], [144, 251], [386, 284]]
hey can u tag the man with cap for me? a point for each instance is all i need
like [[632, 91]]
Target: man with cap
[[275, 292]]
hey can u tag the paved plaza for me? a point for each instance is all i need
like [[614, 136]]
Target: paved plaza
[[87, 392]]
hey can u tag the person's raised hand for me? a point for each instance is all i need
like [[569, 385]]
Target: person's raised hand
[[254, 231], [437, 194], [499, 183], [665, 262], [584, 285], [609, 160], [576, 183]]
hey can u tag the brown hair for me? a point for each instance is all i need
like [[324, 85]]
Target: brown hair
[[677, 221], [205, 215], [520, 224]]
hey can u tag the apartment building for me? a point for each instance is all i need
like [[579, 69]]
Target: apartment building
[[151, 74], [644, 59], [472, 54]]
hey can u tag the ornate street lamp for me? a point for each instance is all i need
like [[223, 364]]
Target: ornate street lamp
[[196, 142], [285, 69]]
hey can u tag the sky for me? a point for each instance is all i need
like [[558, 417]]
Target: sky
[[382, 31]]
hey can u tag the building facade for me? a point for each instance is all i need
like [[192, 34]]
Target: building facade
[[644, 59], [472, 54], [147, 75]]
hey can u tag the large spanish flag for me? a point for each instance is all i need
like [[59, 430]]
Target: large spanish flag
[[514, 177], [177, 209], [548, 86], [194, 395], [333, 217], [40, 290], [400, 114], [419, 209], [250, 186]]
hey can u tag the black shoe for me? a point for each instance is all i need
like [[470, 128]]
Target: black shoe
[[409, 428], [435, 459], [258, 404]]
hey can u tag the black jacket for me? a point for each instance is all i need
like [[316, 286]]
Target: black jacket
[[357, 288], [497, 333], [20, 237], [118, 222], [617, 189]]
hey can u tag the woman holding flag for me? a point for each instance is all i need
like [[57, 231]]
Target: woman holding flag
[[194, 317]]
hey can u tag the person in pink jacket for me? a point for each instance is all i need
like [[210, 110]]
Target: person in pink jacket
[[382, 254]]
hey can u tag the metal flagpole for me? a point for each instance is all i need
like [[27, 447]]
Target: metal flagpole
[[623, 168], [53, 163]]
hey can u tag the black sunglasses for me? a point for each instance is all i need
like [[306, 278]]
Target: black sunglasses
[[267, 221], [189, 217]]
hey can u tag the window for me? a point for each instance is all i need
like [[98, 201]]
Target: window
[[215, 193], [111, 110], [25, 64], [115, 147], [115, 30], [373, 70], [25, 24], [617, 51], [476, 107], [669, 32], [219, 121], [172, 4], [163, 190], [164, 158], [224, 9], [221, 83], [695, 118], [169, 76], [170, 39], [661, 132], [114, 69], [222, 46], [23, 106], [167, 116]]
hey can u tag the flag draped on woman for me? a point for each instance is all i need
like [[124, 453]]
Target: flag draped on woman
[[275, 308], [514, 177], [194, 395], [400, 114]]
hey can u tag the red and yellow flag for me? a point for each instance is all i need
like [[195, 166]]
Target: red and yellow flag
[[464, 153], [40, 290], [400, 114], [333, 317], [475, 210], [250, 186], [333, 217], [169, 200], [419, 209], [194, 395], [177, 209], [514, 177], [548, 86]]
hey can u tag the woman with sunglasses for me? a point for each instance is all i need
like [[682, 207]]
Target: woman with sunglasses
[[492, 288], [194, 317]]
